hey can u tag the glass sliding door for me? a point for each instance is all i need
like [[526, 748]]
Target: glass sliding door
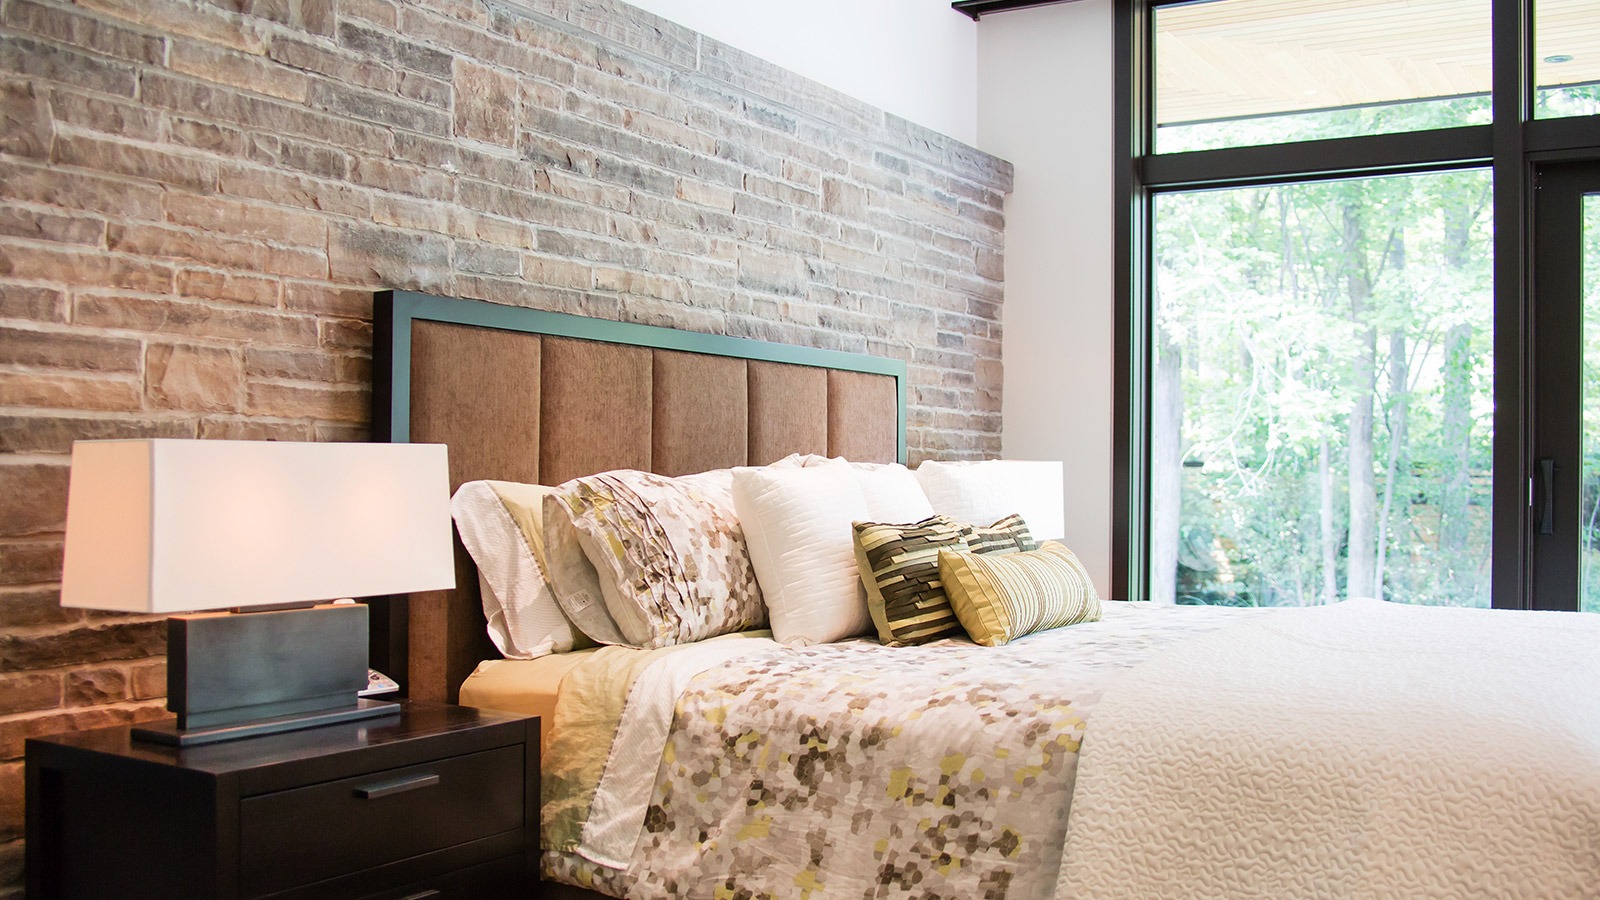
[[1322, 392], [1589, 508], [1357, 268], [1565, 490]]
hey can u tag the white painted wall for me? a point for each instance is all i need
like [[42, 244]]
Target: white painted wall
[[1045, 103], [914, 58]]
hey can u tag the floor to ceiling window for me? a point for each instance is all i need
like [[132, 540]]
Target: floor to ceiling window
[[1331, 381], [1321, 392]]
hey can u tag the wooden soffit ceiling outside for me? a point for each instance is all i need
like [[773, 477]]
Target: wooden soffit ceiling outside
[[1239, 58]]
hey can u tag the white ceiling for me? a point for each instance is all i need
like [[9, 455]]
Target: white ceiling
[[1237, 58]]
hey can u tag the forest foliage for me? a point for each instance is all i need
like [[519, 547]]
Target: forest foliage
[[1322, 374]]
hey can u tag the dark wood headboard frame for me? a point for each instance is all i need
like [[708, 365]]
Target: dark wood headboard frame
[[395, 314]]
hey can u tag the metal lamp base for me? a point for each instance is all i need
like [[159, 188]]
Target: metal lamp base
[[167, 732], [239, 675]]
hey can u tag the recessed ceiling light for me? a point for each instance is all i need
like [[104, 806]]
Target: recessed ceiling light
[[1312, 93], [1556, 59]]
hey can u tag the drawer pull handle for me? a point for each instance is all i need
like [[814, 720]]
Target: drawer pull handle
[[398, 786], [422, 895]]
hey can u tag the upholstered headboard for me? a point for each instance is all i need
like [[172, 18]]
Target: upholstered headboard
[[540, 397]]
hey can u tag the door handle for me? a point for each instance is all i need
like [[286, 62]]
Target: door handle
[[1547, 505]]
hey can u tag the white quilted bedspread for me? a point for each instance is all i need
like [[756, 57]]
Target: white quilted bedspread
[[1359, 750]]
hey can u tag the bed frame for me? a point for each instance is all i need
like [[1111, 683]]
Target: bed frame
[[540, 397]]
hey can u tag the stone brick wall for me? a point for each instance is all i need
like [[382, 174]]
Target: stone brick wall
[[199, 197]]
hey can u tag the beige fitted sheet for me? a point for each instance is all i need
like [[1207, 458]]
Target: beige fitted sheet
[[524, 686]]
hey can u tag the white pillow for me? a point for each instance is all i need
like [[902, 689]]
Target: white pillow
[[981, 492], [525, 621], [892, 492], [797, 527], [798, 460]]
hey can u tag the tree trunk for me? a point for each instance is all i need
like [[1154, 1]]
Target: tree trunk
[[1330, 550], [1455, 524], [1166, 472], [1399, 415], [1361, 559]]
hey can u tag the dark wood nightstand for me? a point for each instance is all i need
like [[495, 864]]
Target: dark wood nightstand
[[438, 802]]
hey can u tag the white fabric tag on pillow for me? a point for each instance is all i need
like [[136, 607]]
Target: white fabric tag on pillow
[[573, 578], [797, 527]]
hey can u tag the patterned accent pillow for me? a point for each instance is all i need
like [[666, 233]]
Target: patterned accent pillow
[[1008, 535], [669, 552], [899, 565], [999, 598]]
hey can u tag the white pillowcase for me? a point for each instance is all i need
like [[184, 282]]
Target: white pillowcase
[[892, 493], [797, 527], [525, 621], [981, 492]]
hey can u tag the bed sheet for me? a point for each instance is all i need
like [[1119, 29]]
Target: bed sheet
[[858, 770], [527, 687]]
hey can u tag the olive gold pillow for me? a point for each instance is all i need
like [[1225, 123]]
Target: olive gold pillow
[[999, 598]]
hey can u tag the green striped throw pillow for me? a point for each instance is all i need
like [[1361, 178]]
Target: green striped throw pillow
[[1008, 535], [999, 598], [899, 565]]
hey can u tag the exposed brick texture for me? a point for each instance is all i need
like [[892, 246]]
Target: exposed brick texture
[[197, 198]]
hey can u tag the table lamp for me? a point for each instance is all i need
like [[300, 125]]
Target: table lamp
[[269, 530]]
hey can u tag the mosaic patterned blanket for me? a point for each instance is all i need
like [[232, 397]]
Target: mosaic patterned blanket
[[857, 770]]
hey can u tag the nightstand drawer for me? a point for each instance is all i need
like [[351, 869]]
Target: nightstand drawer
[[501, 878], [299, 836]]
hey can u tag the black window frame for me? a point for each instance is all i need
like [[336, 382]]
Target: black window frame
[[1512, 146]]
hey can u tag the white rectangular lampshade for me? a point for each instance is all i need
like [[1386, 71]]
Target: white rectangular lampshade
[[163, 526]]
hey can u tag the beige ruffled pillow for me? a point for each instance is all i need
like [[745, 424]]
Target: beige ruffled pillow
[[669, 554]]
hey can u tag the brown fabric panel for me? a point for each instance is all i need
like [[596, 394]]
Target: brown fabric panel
[[700, 409], [861, 417], [428, 617], [596, 408], [448, 637], [788, 411], [477, 390]]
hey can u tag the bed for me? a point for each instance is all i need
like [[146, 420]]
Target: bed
[[740, 767]]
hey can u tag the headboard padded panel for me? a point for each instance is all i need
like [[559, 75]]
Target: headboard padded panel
[[452, 366], [537, 397], [702, 413], [857, 427], [788, 411], [596, 405]]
